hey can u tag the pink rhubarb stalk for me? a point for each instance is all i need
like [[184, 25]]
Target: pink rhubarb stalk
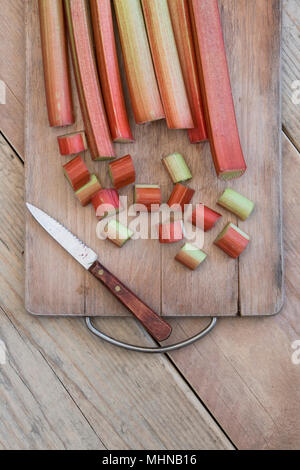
[[216, 89], [180, 16], [56, 65], [109, 72], [92, 106]]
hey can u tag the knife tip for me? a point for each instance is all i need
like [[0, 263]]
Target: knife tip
[[31, 208]]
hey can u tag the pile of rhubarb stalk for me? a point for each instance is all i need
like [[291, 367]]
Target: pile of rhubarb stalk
[[176, 69]]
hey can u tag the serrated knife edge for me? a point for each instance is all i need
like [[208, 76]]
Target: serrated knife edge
[[73, 245]]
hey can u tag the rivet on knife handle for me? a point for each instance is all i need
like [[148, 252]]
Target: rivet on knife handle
[[158, 328]]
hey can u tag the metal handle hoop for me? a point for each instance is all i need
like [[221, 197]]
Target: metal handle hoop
[[141, 349]]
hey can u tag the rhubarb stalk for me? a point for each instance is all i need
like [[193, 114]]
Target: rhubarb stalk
[[216, 89], [88, 191], [236, 203], [204, 218], [88, 86], [142, 84], [76, 173], [233, 241], [171, 232], [122, 172], [55, 60], [177, 168], [180, 16], [109, 72], [117, 233], [180, 196], [147, 197], [72, 144], [167, 64], [190, 256], [106, 202]]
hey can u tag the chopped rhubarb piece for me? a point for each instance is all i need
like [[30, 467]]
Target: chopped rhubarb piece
[[108, 66], [236, 203], [88, 86], [216, 89], [167, 64], [56, 66], [142, 84], [177, 168], [117, 233], [179, 11], [233, 241], [190, 256], [122, 172], [106, 203], [171, 232], [76, 173], [180, 196], [205, 218], [72, 144], [147, 197], [86, 193]]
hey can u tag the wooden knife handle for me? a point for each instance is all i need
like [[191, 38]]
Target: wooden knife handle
[[158, 328]]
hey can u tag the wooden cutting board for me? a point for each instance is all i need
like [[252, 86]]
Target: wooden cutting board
[[252, 285]]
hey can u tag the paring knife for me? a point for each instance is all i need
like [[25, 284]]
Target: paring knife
[[153, 323]]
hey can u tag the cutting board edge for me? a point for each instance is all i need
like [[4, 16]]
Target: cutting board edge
[[278, 302]]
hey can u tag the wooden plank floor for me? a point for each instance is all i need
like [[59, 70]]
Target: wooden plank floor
[[62, 389]]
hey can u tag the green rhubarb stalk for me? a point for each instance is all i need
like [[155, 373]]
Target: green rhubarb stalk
[[143, 88], [167, 64], [234, 227], [190, 256], [118, 233], [236, 203], [93, 180], [177, 168], [86, 193]]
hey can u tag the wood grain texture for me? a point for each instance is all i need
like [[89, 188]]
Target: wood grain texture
[[31, 410], [12, 72], [256, 91], [165, 286], [62, 388], [13, 69], [82, 294], [244, 372], [257, 399], [291, 70], [261, 269]]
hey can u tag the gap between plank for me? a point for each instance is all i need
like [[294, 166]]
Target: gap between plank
[[200, 400], [53, 371], [290, 138], [12, 147], [167, 356]]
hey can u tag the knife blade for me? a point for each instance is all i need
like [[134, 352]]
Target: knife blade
[[158, 328]]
